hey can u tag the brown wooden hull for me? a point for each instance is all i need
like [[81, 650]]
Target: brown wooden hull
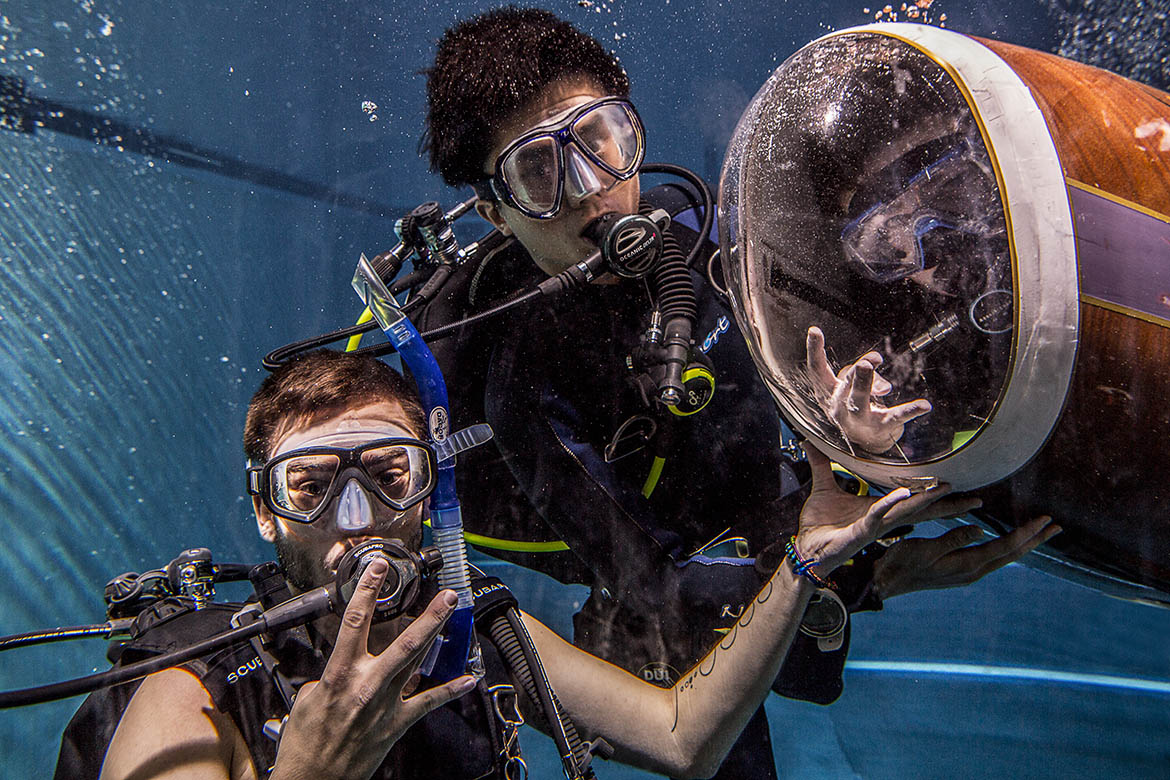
[[1103, 473]]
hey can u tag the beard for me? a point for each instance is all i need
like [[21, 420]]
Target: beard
[[300, 569], [305, 572]]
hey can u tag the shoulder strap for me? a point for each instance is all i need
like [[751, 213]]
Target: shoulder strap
[[167, 625]]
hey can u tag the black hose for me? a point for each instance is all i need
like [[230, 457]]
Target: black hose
[[671, 278], [430, 289], [708, 200], [674, 288], [277, 357], [53, 635], [412, 279], [281, 355], [506, 631], [63, 690], [295, 611]]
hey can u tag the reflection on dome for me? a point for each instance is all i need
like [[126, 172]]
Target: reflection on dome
[[859, 197]]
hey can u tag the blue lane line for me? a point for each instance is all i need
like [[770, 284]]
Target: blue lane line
[[1010, 673]]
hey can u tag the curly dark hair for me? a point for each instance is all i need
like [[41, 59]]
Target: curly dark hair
[[319, 384], [489, 67]]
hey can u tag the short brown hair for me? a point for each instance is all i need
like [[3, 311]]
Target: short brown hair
[[322, 383]]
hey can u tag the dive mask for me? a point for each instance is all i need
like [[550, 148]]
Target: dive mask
[[300, 484], [602, 136], [914, 209]]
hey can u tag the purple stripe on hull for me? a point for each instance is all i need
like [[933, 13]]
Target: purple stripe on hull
[[1123, 255]]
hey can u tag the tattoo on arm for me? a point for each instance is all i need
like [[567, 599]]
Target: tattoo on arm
[[745, 618]]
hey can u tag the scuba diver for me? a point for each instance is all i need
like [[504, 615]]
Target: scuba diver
[[337, 465], [673, 501]]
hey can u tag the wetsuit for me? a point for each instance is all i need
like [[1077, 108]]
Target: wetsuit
[[243, 684], [552, 380]]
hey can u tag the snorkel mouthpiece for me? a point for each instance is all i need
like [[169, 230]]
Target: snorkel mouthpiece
[[354, 512]]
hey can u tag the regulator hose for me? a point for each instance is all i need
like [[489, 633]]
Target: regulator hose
[[511, 639], [679, 309]]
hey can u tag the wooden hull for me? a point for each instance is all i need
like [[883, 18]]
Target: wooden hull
[[1103, 472], [1051, 182]]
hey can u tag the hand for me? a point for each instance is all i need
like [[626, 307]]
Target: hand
[[344, 725], [948, 561], [848, 397], [835, 524]]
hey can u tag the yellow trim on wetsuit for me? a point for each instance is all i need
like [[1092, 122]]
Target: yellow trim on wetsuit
[[513, 545]]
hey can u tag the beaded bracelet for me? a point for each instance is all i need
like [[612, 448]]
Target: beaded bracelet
[[804, 567]]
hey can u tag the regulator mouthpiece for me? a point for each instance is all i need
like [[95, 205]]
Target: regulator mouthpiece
[[403, 580], [630, 245]]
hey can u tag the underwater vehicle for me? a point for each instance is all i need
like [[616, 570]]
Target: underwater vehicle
[[996, 222]]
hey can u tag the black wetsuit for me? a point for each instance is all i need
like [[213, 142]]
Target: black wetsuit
[[462, 739], [552, 380]]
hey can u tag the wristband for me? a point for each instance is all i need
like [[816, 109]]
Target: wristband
[[804, 567]]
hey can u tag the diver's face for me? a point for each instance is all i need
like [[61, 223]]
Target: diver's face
[[309, 552], [556, 243]]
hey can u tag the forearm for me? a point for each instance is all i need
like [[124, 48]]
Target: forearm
[[684, 731], [714, 700]]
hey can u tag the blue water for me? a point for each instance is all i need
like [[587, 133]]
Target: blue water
[[136, 298]]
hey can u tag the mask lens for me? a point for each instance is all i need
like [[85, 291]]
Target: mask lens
[[905, 205], [299, 484], [401, 473], [609, 134], [532, 172]]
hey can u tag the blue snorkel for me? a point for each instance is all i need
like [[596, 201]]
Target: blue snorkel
[[456, 653]]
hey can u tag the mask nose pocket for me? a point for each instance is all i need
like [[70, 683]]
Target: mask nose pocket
[[580, 178], [354, 512]]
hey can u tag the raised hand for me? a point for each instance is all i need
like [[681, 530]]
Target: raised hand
[[849, 397], [344, 725], [835, 524], [950, 560]]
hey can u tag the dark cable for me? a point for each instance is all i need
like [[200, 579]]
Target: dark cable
[[506, 631], [293, 612], [53, 635], [63, 690], [274, 359], [486, 244], [704, 193]]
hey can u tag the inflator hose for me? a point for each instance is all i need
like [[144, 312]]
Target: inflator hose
[[506, 631], [64, 690]]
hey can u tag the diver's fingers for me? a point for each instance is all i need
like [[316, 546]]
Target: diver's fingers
[[818, 361], [876, 520], [843, 387], [917, 507], [433, 698], [863, 374], [880, 386], [405, 653], [956, 539], [353, 637], [1010, 547], [904, 413], [886, 504]]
